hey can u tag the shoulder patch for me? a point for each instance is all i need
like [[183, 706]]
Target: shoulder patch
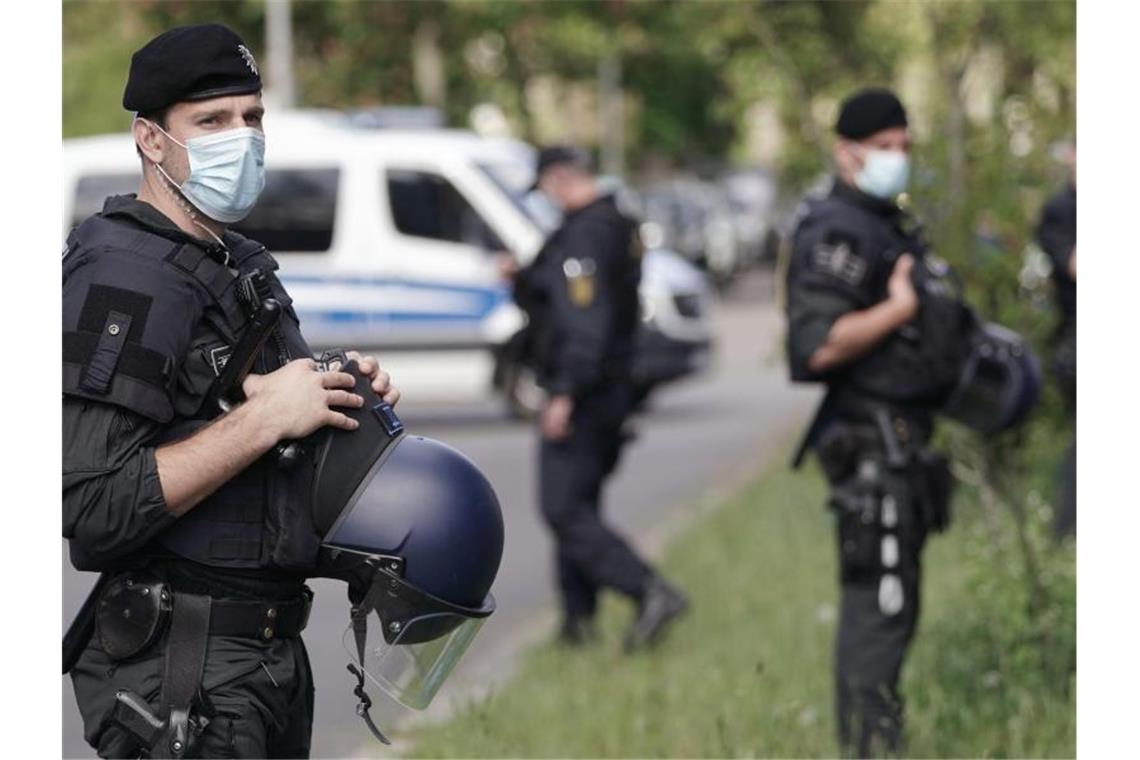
[[837, 255], [580, 280]]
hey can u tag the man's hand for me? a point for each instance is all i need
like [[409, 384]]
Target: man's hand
[[507, 266], [555, 420], [295, 400], [900, 289], [292, 402], [857, 332], [381, 380]]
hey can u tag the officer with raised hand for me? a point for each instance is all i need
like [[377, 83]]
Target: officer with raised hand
[[1057, 234], [581, 297], [857, 323], [203, 535]]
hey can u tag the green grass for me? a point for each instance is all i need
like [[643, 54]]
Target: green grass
[[748, 672]]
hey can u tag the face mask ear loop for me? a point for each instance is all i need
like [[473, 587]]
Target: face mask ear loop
[[172, 189]]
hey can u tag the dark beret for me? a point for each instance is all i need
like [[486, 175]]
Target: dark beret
[[557, 155], [190, 63], [869, 111]]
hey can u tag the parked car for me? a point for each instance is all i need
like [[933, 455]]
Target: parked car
[[386, 241], [696, 220], [752, 196]]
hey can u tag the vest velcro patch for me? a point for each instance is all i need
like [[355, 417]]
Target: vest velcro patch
[[836, 256]]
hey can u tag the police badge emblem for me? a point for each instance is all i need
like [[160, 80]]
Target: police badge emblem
[[249, 59], [580, 281]]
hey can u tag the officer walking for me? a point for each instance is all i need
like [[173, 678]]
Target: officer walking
[[1057, 234], [857, 323], [581, 297], [203, 535]]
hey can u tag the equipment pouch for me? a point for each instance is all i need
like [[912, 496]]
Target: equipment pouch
[[857, 503], [132, 614], [934, 485], [836, 450]]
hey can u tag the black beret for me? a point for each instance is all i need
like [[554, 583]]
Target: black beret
[[556, 155], [870, 111], [190, 63]]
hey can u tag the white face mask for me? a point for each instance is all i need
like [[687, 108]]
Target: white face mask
[[885, 173], [227, 172]]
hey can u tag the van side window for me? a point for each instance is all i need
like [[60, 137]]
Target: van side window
[[295, 212], [93, 189], [427, 205]]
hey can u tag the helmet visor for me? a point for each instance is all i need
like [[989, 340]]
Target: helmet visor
[[414, 664]]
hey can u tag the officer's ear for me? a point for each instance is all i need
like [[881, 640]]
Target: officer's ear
[[148, 140], [845, 153]]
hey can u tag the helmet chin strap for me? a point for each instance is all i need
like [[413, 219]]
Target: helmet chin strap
[[180, 200], [359, 615]]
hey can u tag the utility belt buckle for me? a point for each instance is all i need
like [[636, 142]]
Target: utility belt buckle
[[132, 613]]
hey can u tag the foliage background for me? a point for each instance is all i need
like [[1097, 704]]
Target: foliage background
[[991, 86]]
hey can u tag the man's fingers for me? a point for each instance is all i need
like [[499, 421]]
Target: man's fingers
[[337, 380], [344, 398], [341, 420], [381, 381], [367, 364], [392, 396]]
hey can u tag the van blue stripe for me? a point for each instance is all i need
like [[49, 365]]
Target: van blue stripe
[[489, 298]]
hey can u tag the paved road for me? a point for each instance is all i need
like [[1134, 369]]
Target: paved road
[[698, 439]]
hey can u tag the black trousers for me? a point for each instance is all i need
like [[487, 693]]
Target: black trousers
[[879, 605], [261, 693], [590, 556]]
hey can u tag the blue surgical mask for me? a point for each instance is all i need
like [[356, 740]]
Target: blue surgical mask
[[885, 173], [227, 172]]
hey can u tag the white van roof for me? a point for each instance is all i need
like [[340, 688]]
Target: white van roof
[[318, 134]]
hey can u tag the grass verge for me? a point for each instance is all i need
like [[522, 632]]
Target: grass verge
[[748, 672]]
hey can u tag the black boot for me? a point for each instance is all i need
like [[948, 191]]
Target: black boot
[[577, 632], [659, 606]]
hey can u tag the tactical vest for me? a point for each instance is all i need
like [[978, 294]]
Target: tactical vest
[[148, 324], [919, 363]]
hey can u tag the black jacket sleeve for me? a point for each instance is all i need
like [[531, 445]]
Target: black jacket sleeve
[[1057, 231], [828, 276], [582, 305], [112, 498]]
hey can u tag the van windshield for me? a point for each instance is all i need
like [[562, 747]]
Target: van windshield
[[514, 178]]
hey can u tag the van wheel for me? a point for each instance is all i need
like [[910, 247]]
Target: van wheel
[[525, 397]]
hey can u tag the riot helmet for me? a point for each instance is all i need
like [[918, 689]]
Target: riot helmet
[[416, 531], [999, 382]]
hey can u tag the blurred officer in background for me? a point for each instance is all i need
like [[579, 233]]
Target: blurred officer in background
[[856, 322], [190, 644], [1057, 234], [581, 298]]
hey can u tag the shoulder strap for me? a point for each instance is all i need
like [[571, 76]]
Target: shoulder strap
[[214, 276]]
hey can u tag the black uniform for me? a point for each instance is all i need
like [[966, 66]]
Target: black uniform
[[582, 300], [149, 317], [888, 490], [1057, 234]]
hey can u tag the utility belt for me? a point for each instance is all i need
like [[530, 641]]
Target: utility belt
[[893, 447], [135, 609]]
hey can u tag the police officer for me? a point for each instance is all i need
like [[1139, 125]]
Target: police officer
[[857, 322], [581, 296], [203, 535], [1057, 234]]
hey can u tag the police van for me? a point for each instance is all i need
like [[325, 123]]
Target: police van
[[386, 240]]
